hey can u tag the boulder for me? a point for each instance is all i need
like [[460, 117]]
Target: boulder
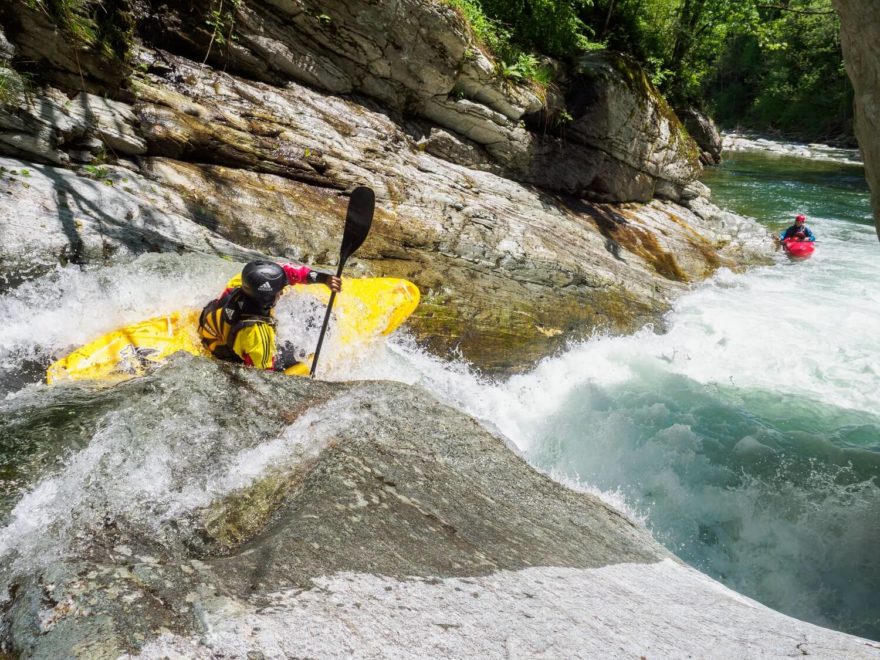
[[705, 133], [615, 110], [345, 519]]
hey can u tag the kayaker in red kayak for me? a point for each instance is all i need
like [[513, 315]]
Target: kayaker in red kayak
[[798, 231]]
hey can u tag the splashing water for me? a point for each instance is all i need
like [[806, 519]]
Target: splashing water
[[747, 438]]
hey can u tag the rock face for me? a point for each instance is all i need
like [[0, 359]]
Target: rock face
[[345, 518], [441, 76], [617, 112], [860, 38], [77, 57], [497, 224], [704, 132]]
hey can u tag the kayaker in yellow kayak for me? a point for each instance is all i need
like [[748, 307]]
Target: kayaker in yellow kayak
[[239, 326]]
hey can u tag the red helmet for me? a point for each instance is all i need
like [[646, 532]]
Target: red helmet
[[801, 218]]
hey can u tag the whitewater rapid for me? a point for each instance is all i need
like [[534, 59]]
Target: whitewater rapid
[[746, 438]]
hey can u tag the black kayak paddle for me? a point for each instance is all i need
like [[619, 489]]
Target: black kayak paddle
[[358, 219]]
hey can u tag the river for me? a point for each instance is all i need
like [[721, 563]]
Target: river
[[746, 438]]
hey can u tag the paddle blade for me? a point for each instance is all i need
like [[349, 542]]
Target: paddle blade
[[358, 219], [357, 222]]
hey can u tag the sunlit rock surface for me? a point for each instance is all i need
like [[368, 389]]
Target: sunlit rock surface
[[508, 272], [617, 113], [302, 518]]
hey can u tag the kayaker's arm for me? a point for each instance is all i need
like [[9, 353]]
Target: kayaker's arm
[[305, 275]]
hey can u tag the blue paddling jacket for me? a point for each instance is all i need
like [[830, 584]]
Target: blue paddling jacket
[[794, 230]]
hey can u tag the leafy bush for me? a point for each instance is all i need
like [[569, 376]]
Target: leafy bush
[[109, 27], [512, 31]]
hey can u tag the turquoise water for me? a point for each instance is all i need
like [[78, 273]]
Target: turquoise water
[[746, 438], [749, 436], [775, 188]]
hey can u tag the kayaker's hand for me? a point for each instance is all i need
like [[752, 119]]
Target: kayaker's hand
[[331, 281]]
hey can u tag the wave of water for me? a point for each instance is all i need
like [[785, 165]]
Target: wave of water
[[747, 437]]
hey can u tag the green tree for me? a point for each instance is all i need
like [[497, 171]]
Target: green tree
[[764, 64], [554, 27]]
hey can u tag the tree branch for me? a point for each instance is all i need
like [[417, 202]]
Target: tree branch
[[809, 12]]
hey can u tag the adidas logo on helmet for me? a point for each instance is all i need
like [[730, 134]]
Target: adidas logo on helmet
[[263, 281]]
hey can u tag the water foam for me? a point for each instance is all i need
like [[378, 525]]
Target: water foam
[[149, 470], [50, 315], [746, 437]]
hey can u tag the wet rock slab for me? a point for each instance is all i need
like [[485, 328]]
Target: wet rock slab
[[358, 518]]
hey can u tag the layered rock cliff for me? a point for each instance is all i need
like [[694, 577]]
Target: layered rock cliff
[[860, 38], [522, 224]]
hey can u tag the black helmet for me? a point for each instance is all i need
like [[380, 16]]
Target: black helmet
[[263, 281]]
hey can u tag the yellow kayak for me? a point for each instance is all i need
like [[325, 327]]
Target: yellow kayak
[[364, 309]]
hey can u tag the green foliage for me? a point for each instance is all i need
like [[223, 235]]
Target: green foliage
[[221, 20], [553, 27], [787, 75], [513, 30], [563, 117], [656, 71], [526, 67], [12, 86], [758, 64]]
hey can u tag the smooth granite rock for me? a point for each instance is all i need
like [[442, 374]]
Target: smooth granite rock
[[349, 518]]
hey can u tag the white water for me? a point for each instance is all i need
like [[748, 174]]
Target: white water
[[746, 438]]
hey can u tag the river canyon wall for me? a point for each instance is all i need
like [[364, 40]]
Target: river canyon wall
[[860, 39]]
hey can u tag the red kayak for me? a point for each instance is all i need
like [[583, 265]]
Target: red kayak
[[798, 249]]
